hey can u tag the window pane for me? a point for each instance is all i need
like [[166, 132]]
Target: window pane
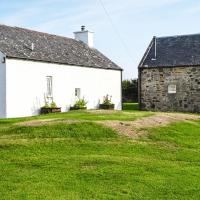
[[49, 86], [78, 92], [172, 89]]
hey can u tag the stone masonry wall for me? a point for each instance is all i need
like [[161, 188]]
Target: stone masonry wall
[[154, 89]]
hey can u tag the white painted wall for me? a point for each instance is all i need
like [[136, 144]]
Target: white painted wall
[[2, 86], [26, 86]]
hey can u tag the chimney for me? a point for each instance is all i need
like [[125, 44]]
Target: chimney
[[85, 36], [82, 28]]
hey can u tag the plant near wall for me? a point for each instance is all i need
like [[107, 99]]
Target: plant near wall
[[53, 105], [107, 100], [49, 107], [107, 103], [80, 104]]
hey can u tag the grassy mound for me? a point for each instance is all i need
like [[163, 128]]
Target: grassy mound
[[85, 160]]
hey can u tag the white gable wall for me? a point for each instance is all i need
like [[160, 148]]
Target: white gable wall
[[26, 86], [2, 86]]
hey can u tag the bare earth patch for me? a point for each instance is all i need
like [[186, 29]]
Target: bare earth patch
[[132, 129], [135, 128], [48, 122]]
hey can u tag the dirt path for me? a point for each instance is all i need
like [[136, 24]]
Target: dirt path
[[136, 128], [48, 122], [131, 129]]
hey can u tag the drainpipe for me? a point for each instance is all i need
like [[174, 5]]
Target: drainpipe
[[155, 48], [121, 91], [139, 87]]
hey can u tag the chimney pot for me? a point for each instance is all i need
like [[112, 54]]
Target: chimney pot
[[83, 28]]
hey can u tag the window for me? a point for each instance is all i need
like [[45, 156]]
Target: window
[[78, 93], [49, 86], [171, 89]]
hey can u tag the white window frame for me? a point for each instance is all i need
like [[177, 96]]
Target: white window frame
[[78, 93], [49, 82], [172, 89]]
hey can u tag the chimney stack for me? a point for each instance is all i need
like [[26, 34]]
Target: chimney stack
[[82, 28], [85, 36]]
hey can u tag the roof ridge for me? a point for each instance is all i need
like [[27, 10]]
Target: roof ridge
[[174, 36], [45, 33], [50, 34], [35, 31]]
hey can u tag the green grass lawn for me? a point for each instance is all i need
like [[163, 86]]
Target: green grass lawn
[[129, 113], [130, 106], [85, 160]]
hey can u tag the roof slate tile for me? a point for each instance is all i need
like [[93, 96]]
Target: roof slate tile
[[16, 43], [183, 50]]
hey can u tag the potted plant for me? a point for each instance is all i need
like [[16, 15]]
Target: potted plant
[[80, 104], [107, 103], [50, 108]]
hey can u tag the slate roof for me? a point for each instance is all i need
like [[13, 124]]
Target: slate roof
[[183, 50], [16, 43]]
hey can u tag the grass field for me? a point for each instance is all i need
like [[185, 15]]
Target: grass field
[[130, 106], [86, 160]]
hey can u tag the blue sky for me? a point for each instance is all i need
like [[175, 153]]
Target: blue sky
[[137, 21]]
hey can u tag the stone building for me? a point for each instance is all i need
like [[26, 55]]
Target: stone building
[[169, 74]]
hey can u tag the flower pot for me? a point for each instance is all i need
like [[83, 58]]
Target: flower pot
[[107, 106], [50, 110], [77, 108]]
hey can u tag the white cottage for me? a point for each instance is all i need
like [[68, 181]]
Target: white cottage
[[35, 65]]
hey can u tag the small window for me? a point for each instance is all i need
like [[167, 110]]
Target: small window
[[172, 89], [78, 93], [49, 86]]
